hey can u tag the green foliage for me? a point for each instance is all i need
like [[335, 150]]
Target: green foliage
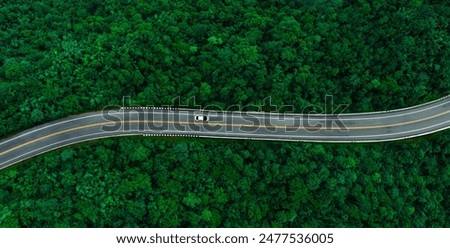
[[242, 184], [64, 57]]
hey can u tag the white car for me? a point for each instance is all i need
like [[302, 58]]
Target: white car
[[201, 118]]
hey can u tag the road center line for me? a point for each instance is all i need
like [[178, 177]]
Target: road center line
[[217, 124]]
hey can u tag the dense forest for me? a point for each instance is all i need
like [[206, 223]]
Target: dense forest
[[59, 58]]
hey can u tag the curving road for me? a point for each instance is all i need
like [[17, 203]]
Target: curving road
[[344, 128]]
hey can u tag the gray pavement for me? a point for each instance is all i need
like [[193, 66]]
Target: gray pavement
[[345, 128]]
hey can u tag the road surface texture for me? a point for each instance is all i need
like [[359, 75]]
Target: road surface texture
[[344, 128]]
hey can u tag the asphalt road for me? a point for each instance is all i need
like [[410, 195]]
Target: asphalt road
[[345, 128]]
